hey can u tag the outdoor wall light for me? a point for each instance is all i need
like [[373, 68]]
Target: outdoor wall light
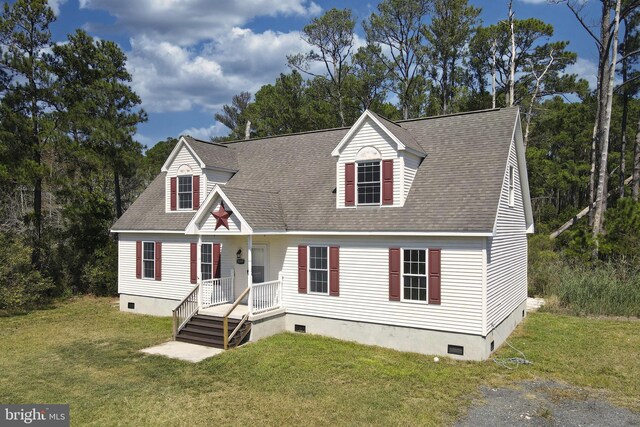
[[239, 259]]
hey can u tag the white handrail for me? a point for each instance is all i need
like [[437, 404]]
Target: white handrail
[[217, 291], [265, 296]]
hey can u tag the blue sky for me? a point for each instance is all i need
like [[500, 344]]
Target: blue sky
[[188, 57]]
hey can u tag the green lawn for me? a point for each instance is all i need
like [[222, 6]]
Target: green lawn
[[85, 353]]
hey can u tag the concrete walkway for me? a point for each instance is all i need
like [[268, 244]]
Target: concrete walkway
[[183, 351]]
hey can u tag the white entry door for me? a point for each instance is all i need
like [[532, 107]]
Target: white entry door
[[259, 263]]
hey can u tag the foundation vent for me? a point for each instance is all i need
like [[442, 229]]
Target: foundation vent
[[458, 350], [131, 305], [300, 328], [493, 345]]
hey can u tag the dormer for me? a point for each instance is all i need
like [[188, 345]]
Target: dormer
[[188, 178], [376, 163]]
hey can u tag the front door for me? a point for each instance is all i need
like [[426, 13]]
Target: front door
[[259, 263]]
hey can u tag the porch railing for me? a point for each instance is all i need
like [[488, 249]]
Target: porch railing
[[217, 291], [265, 296], [187, 308]]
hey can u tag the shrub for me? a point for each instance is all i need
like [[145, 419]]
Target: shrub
[[21, 286], [606, 289], [100, 273]]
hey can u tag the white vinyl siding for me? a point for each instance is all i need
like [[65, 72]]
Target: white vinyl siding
[[411, 164], [176, 272], [209, 225], [369, 135], [213, 177], [507, 252], [183, 157], [364, 282]]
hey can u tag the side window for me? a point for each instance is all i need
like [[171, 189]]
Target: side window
[[511, 186], [414, 275], [318, 270], [149, 260], [206, 263]]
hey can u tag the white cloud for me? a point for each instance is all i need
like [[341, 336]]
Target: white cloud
[[169, 77], [217, 129], [187, 22], [585, 69], [55, 5]]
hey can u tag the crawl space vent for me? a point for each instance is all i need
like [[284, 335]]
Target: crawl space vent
[[300, 328], [458, 350], [493, 345], [131, 305]]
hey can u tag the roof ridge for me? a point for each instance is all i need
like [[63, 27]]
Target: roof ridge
[[385, 118], [217, 144], [237, 141], [462, 113]]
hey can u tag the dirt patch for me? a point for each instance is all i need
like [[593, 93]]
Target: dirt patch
[[546, 403]]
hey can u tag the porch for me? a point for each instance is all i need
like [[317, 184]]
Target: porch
[[211, 314]]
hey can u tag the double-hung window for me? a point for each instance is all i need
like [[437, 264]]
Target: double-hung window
[[185, 192], [369, 183], [206, 261], [414, 275], [149, 260], [318, 270]]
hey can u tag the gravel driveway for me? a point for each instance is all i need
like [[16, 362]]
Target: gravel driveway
[[545, 403]]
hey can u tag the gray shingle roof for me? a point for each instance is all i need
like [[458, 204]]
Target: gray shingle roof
[[401, 133], [456, 188], [148, 211], [213, 154], [261, 209]]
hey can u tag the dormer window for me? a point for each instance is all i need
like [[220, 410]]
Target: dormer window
[[185, 192], [369, 183]]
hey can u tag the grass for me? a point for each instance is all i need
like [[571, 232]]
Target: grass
[[85, 352]]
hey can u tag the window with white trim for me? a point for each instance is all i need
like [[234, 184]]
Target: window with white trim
[[185, 192], [149, 260], [511, 186], [318, 269], [369, 183], [414, 275], [206, 261]]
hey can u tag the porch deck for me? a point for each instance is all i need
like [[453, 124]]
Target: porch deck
[[221, 310]]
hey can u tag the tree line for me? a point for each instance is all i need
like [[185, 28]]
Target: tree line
[[70, 165], [432, 57]]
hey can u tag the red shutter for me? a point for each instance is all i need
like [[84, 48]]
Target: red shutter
[[194, 263], [334, 271], [387, 182], [173, 193], [216, 261], [196, 191], [434, 276], [394, 274], [350, 184], [138, 259], [302, 269], [158, 260]]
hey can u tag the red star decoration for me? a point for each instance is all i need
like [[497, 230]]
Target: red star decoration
[[222, 216]]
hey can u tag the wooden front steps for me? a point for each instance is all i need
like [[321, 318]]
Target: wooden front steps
[[208, 330]]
